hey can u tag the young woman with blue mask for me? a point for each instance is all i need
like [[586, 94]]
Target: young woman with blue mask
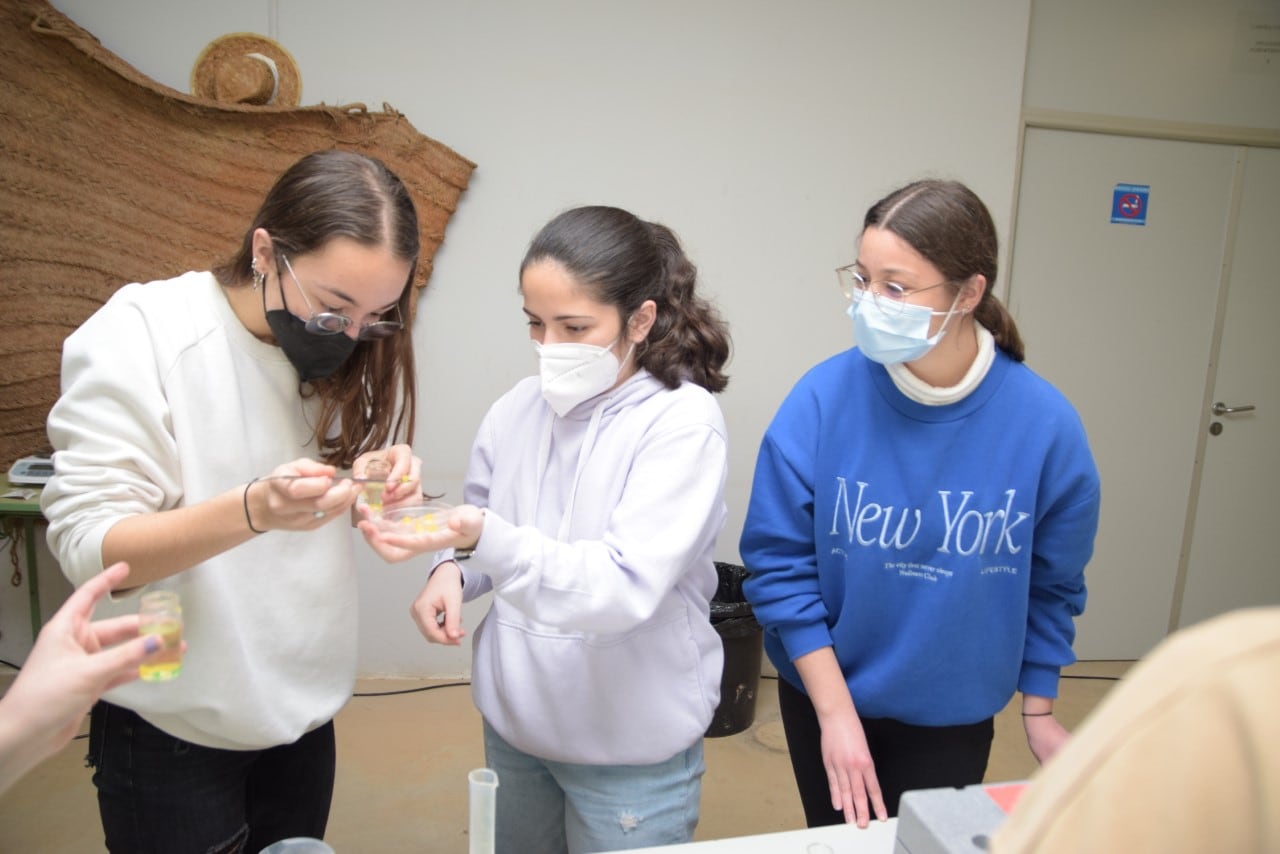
[[202, 423], [595, 495], [921, 515]]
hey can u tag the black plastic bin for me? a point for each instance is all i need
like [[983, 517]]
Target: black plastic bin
[[743, 641]]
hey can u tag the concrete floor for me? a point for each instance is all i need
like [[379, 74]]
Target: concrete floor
[[403, 760]]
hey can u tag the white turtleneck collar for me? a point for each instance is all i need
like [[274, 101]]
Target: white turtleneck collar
[[921, 392]]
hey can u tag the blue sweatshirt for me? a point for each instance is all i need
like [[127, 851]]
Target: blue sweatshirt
[[939, 549]]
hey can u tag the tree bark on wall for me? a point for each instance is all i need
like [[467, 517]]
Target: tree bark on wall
[[108, 177]]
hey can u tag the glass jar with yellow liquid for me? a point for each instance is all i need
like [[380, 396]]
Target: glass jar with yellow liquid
[[375, 483], [161, 614]]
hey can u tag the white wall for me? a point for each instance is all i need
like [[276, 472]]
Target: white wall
[[760, 131], [1169, 76], [1205, 62]]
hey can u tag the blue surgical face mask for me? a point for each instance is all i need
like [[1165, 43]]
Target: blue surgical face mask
[[901, 335]]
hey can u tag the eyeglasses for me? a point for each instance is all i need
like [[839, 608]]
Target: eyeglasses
[[889, 297], [331, 323]]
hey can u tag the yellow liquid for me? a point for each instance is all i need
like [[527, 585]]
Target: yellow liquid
[[373, 495], [168, 663], [428, 524]]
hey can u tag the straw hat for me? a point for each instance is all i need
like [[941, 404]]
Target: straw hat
[[246, 68]]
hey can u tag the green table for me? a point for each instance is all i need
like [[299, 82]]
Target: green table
[[25, 513]]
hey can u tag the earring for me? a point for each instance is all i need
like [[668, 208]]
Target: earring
[[259, 277]]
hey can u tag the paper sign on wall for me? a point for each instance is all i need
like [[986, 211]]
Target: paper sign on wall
[[1129, 204]]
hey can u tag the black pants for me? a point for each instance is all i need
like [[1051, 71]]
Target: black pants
[[161, 795], [906, 757]]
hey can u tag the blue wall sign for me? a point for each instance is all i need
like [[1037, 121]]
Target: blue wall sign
[[1129, 204]]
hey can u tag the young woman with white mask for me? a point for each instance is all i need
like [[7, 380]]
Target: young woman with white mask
[[920, 519], [595, 495]]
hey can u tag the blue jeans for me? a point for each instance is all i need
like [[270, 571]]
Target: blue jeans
[[546, 807], [161, 795]]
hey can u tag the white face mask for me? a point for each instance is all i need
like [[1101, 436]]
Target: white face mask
[[572, 373], [890, 338]]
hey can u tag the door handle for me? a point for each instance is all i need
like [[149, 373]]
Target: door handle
[[1221, 408]]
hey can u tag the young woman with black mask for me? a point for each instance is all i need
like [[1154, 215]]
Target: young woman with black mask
[[199, 437]]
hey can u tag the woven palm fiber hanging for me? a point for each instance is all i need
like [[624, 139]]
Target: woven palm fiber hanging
[[107, 177]]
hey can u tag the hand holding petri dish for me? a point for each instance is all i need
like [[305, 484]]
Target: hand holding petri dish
[[429, 518]]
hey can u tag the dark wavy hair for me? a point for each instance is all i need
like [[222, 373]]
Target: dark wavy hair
[[327, 194], [949, 225], [623, 261]]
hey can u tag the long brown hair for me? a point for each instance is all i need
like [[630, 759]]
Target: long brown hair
[[949, 225], [327, 194], [625, 261]]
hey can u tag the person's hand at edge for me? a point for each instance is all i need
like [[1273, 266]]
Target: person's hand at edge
[[463, 531], [73, 662]]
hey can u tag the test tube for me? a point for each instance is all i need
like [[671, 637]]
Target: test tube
[[484, 798]]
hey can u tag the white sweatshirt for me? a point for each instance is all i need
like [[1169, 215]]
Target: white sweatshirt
[[168, 400], [598, 543]]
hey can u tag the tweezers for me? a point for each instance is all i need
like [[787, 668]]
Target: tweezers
[[330, 476], [426, 495]]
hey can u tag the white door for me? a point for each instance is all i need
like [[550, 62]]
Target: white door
[[1233, 562], [1121, 318]]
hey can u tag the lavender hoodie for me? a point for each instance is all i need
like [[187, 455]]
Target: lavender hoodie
[[598, 544]]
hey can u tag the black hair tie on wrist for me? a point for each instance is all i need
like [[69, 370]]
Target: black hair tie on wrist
[[247, 517]]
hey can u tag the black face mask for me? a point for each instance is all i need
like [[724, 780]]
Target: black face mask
[[315, 357]]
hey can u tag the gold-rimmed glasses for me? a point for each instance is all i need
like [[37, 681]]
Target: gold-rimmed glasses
[[888, 296], [332, 323]]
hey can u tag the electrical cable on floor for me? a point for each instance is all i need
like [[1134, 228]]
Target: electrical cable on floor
[[357, 694], [1105, 679], [409, 690], [1063, 676], [362, 694]]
